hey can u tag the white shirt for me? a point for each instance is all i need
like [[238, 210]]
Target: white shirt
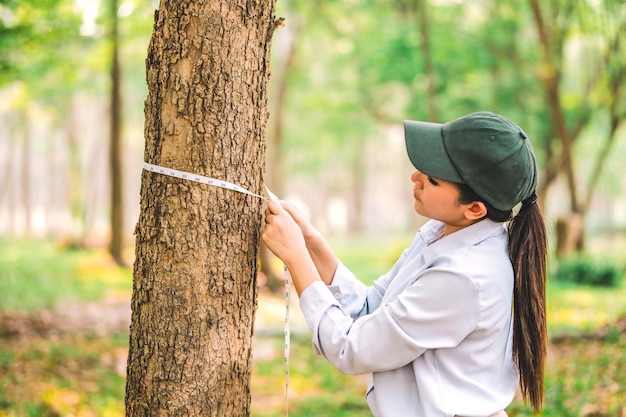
[[435, 331]]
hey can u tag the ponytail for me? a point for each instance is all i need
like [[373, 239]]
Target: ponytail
[[528, 248], [528, 251]]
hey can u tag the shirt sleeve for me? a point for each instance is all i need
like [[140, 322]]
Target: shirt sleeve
[[356, 298], [437, 311]]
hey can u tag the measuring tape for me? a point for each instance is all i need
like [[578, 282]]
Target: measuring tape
[[234, 187], [287, 331], [201, 179]]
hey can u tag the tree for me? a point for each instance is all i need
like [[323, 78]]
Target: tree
[[421, 10], [28, 32], [603, 76], [116, 246], [283, 66], [194, 289]]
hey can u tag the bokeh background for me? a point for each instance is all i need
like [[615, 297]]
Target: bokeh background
[[344, 76]]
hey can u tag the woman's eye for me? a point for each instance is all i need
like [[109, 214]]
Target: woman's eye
[[432, 181]]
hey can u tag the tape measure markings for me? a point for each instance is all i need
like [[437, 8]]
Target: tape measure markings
[[287, 331], [200, 179]]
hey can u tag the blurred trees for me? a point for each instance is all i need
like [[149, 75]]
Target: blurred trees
[[597, 33], [553, 67], [345, 74], [116, 246], [56, 70], [38, 62]]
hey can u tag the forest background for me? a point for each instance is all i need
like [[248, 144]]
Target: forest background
[[344, 76]]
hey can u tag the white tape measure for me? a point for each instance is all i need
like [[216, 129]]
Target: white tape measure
[[199, 178], [287, 332], [234, 187]]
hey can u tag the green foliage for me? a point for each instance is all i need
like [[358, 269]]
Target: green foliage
[[38, 37], [589, 271]]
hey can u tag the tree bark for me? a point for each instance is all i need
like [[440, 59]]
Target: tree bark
[[194, 288]]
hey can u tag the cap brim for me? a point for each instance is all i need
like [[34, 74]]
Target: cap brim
[[424, 144]]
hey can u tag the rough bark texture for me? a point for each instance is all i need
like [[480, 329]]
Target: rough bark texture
[[194, 292]]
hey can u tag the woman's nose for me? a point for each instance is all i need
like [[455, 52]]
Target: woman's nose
[[416, 176]]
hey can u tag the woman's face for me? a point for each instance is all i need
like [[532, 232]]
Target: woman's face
[[438, 199]]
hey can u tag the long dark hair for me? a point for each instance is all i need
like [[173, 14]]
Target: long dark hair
[[528, 249]]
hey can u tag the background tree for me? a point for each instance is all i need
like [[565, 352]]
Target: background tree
[[570, 112], [282, 68], [32, 79], [194, 291], [116, 247]]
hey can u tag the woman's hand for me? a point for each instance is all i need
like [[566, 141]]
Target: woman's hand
[[318, 249], [282, 234], [284, 238], [311, 235]]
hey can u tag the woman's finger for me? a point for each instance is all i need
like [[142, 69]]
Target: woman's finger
[[274, 207]]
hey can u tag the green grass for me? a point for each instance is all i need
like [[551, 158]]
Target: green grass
[[369, 257], [315, 387], [575, 308], [70, 375], [581, 377], [39, 274], [80, 374]]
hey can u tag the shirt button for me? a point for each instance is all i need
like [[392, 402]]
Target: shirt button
[[337, 295]]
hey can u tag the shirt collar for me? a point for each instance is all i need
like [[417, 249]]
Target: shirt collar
[[466, 237]]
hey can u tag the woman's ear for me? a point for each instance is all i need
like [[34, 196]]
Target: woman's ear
[[475, 210]]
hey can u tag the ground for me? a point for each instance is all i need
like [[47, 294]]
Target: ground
[[66, 357]]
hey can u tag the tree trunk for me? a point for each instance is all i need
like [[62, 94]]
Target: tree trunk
[[550, 78], [194, 289], [75, 184], [9, 179], [571, 230], [570, 235], [25, 177], [116, 245], [357, 190], [421, 8], [274, 177]]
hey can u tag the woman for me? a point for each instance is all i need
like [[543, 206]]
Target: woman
[[437, 332]]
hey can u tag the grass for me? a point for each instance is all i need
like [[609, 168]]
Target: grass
[[67, 375], [83, 375], [576, 308], [37, 275], [369, 257], [581, 378], [315, 388]]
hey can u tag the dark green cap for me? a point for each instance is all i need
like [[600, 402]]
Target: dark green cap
[[484, 150]]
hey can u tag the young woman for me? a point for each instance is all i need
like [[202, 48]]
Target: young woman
[[459, 320]]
